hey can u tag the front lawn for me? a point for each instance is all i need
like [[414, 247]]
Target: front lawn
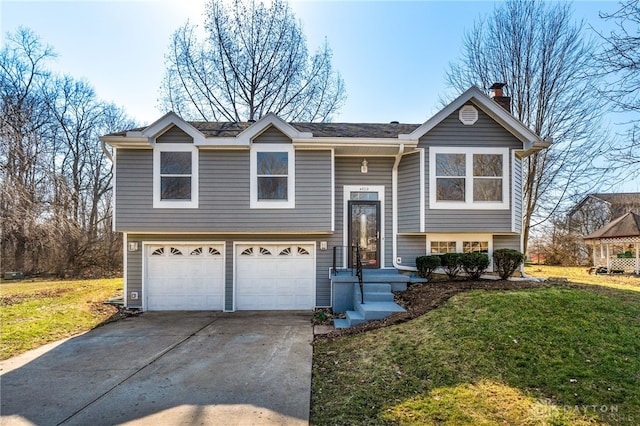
[[33, 313], [549, 355], [580, 274]]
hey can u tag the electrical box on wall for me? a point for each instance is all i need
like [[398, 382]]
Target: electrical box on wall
[[134, 295], [398, 259]]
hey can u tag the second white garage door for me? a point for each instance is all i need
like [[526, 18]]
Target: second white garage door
[[275, 276]]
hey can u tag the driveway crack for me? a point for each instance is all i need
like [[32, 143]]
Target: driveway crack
[[157, 357]]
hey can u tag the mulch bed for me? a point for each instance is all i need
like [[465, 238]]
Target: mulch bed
[[421, 298]]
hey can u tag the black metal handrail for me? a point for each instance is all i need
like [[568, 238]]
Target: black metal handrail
[[354, 262], [359, 273]]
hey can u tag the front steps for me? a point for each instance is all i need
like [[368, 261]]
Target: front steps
[[378, 304]]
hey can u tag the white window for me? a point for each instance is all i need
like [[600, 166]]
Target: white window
[[468, 178], [175, 176], [475, 246], [272, 176], [441, 247], [461, 243]]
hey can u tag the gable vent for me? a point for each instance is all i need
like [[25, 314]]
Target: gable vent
[[468, 115]]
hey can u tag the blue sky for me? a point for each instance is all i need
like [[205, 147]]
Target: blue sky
[[392, 55]]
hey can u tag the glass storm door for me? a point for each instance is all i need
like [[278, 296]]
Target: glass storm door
[[364, 231]]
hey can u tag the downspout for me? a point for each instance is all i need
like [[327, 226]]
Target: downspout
[[394, 215]]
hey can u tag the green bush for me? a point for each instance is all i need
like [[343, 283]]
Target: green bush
[[474, 264], [451, 264], [426, 265], [506, 261]]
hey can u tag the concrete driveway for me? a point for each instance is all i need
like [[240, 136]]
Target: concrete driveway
[[168, 368]]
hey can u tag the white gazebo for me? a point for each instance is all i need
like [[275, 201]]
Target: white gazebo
[[616, 245]]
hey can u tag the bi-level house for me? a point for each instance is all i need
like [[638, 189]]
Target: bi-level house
[[256, 215]]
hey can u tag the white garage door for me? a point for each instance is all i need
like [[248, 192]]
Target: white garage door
[[185, 277], [275, 276]]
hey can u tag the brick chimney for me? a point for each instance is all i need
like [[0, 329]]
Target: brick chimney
[[495, 93]]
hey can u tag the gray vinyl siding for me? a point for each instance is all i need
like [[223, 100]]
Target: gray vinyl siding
[[409, 193], [224, 177], [134, 275], [484, 133], [506, 242], [323, 261], [348, 173], [517, 194], [272, 135], [410, 247], [174, 135]]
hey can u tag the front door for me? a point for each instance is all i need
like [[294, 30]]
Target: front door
[[364, 231]]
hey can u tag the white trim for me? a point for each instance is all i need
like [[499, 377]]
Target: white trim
[[195, 181], [113, 190], [145, 255], [347, 190], [290, 202], [235, 265], [469, 204], [165, 122], [512, 179], [423, 182], [333, 190]]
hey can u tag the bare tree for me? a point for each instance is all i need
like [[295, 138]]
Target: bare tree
[[55, 180], [83, 175], [254, 60], [24, 119], [620, 62], [542, 55]]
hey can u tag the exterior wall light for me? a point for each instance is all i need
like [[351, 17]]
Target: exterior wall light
[[134, 245], [364, 166]]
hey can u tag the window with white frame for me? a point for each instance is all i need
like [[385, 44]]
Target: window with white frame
[[175, 176], [475, 246], [441, 247], [468, 178], [460, 243], [272, 176]]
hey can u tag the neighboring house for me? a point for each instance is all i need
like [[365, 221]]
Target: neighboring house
[[596, 210], [244, 216]]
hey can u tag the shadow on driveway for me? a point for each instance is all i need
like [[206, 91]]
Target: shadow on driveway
[[169, 368]]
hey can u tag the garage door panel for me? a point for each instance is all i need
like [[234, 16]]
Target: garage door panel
[[275, 276], [185, 277]]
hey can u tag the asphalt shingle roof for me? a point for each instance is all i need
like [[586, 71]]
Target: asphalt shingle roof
[[624, 226], [348, 130]]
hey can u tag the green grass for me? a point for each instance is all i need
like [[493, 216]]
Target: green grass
[[579, 274], [39, 312], [555, 356]]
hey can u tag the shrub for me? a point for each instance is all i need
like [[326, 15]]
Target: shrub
[[474, 264], [451, 264], [426, 265], [506, 261]]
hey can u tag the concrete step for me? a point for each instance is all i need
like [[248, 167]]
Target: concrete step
[[341, 323], [378, 296], [355, 318], [399, 286], [375, 287], [377, 310]]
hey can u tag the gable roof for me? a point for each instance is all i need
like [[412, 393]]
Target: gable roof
[[530, 140], [387, 136], [620, 199], [624, 226]]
